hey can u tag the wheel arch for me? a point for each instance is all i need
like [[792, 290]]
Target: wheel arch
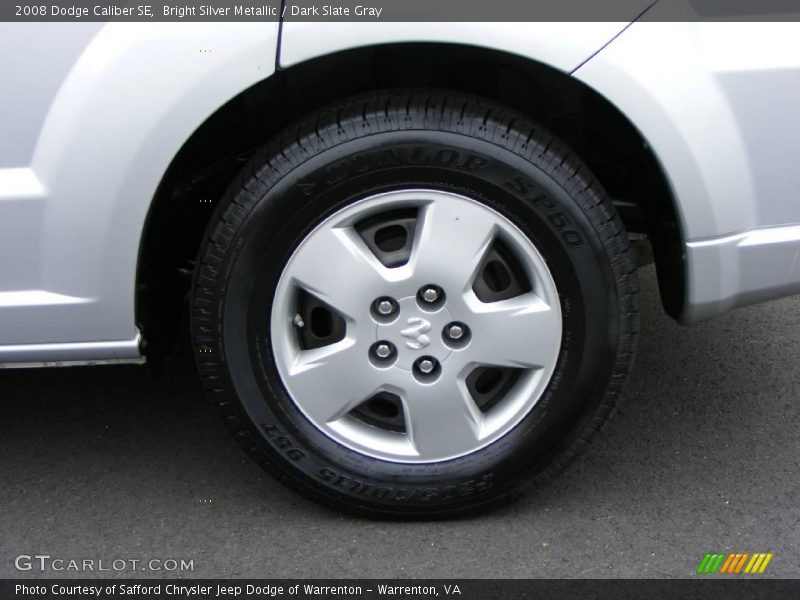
[[198, 175]]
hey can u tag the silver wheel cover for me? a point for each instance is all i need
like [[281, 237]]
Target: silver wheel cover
[[442, 421]]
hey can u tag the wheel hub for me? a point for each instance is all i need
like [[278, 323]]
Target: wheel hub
[[416, 333]]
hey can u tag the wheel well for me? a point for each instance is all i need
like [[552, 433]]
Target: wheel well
[[208, 161]]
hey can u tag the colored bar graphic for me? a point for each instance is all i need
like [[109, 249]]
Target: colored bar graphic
[[755, 562], [710, 563], [767, 558], [734, 563], [740, 564], [701, 568], [727, 565]]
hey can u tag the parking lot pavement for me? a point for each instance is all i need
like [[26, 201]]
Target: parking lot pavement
[[704, 455]]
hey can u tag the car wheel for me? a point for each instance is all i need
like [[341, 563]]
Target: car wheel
[[408, 304]]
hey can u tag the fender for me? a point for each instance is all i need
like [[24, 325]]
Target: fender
[[698, 95], [79, 243]]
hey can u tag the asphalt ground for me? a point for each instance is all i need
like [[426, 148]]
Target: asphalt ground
[[702, 456]]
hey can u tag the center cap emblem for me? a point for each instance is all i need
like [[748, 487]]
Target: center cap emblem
[[416, 333]]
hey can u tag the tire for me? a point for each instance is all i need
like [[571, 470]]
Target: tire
[[381, 164]]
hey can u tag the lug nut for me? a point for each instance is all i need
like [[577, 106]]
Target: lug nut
[[455, 332], [430, 296], [384, 308], [382, 352], [426, 366], [456, 335]]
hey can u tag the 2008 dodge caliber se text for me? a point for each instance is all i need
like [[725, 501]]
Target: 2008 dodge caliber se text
[[407, 249]]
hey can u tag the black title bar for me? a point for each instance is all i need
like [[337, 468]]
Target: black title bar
[[397, 10], [700, 588]]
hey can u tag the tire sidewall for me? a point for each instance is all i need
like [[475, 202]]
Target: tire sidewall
[[534, 195]]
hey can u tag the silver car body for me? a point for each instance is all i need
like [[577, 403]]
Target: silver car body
[[92, 115]]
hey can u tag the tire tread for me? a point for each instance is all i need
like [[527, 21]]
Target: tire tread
[[394, 111]]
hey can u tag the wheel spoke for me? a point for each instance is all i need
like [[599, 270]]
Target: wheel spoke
[[452, 237], [333, 379], [339, 269], [523, 332], [442, 419]]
